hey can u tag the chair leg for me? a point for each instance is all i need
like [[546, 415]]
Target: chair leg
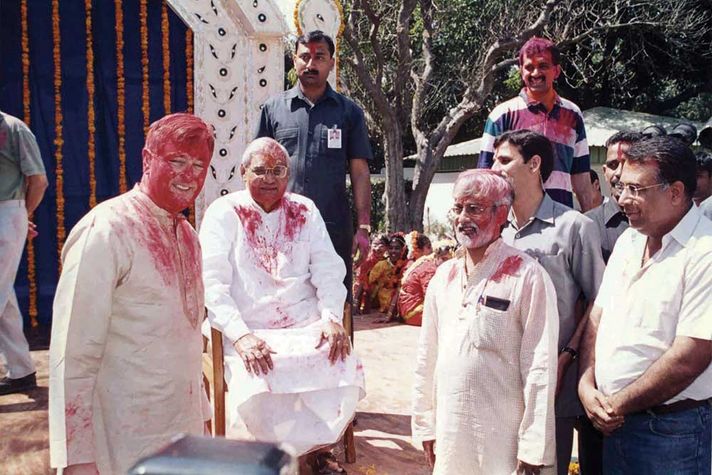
[[218, 382], [350, 444]]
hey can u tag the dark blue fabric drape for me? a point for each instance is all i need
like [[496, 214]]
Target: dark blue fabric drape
[[74, 107]]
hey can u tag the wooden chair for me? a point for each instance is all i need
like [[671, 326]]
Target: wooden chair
[[214, 379]]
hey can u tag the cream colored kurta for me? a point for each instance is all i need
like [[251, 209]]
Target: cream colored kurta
[[486, 368], [125, 357], [277, 275]]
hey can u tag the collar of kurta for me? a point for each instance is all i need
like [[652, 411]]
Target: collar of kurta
[[163, 216], [296, 93], [259, 208]]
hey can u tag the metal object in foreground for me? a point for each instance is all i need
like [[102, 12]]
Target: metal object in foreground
[[192, 455]]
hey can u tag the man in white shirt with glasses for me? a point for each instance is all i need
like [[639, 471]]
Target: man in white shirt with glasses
[[646, 378]]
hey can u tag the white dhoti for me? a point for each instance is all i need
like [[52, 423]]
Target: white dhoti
[[305, 402]]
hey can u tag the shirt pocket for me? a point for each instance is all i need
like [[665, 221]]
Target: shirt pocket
[[289, 138], [490, 328], [335, 162]]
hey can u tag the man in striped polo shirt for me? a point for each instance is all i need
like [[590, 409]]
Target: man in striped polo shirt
[[540, 109]]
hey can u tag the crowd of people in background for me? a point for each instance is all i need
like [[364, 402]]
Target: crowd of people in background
[[393, 277]]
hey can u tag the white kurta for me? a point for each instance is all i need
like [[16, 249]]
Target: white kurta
[[125, 357], [486, 367], [277, 275]]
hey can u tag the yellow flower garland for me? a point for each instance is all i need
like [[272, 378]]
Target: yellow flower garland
[[58, 139], [298, 25], [91, 146], [31, 270], [165, 43], [120, 94], [189, 69], [145, 104], [189, 94]]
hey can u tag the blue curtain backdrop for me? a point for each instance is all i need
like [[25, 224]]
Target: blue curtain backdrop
[[72, 22]]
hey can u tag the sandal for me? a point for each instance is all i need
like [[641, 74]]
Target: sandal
[[326, 464]]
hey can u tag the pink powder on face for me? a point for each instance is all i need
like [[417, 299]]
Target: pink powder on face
[[295, 218], [508, 267]]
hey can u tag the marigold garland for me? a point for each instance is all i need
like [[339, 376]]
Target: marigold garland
[[91, 146], [31, 270], [189, 94], [58, 139], [145, 103], [120, 94], [165, 40], [189, 69], [298, 25]]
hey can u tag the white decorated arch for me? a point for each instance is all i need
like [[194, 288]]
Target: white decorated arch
[[238, 65]]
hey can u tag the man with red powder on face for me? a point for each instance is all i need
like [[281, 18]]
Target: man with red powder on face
[[539, 108], [486, 368], [125, 365], [273, 287]]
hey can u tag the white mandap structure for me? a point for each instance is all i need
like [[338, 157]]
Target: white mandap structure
[[239, 63]]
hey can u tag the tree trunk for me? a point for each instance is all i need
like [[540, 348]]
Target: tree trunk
[[396, 210], [424, 173]]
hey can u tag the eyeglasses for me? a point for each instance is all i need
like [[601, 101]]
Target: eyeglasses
[[280, 171], [471, 209], [634, 190]]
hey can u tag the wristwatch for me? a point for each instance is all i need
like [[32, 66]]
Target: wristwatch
[[365, 227], [569, 350]]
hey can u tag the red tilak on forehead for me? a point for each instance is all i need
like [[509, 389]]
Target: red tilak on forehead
[[313, 48], [619, 153]]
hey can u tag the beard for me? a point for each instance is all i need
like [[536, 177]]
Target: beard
[[475, 238]]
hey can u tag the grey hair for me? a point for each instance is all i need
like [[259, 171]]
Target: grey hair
[[264, 146]]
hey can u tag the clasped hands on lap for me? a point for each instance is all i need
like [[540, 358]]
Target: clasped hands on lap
[[257, 354]]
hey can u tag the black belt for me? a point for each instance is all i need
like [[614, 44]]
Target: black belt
[[678, 406]]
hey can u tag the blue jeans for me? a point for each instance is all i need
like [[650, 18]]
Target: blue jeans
[[677, 443]]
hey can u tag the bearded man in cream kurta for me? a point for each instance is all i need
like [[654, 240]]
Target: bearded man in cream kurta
[[274, 287], [486, 367], [125, 356]]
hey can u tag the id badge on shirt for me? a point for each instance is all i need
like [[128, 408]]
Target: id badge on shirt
[[334, 138]]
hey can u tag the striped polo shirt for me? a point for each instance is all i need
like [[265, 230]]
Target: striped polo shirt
[[563, 126]]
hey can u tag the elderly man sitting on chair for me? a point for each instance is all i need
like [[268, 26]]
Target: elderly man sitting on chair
[[274, 288]]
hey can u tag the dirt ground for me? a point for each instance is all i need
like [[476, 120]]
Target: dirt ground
[[382, 432]]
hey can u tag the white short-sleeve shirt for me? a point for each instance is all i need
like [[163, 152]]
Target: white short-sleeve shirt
[[645, 308]]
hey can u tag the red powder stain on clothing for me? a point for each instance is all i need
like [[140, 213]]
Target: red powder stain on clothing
[[156, 236], [295, 215], [451, 276], [265, 255], [191, 272], [283, 320], [508, 267], [359, 367], [251, 220], [77, 420]]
